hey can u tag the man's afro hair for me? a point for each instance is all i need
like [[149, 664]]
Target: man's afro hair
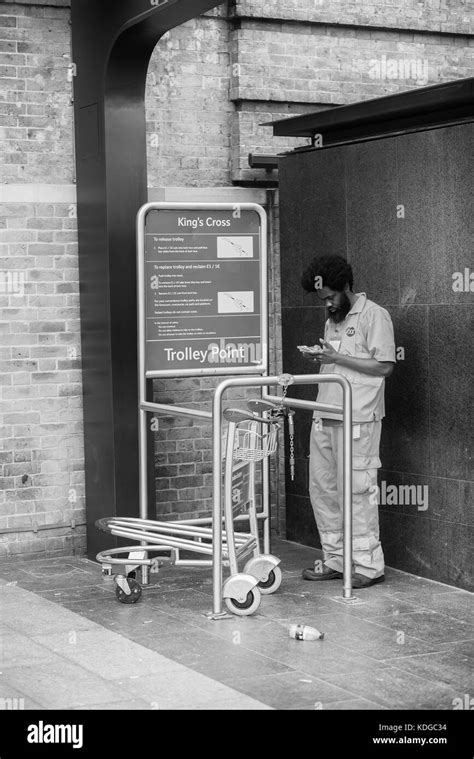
[[334, 271]]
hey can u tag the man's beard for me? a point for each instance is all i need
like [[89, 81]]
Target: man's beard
[[339, 314]]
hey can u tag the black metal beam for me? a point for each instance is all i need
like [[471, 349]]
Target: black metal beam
[[423, 108], [263, 161], [112, 42]]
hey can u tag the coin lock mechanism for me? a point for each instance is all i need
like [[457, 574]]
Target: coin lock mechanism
[[280, 411]]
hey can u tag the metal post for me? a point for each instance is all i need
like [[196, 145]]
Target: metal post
[[347, 488], [142, 416], [266, 503], [217, 500], [228, 524]]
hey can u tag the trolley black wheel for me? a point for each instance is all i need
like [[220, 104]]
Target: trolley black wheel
[[273, 581], [247, 607], [135, 592]]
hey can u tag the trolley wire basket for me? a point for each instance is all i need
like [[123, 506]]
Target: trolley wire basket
[[250, 445]]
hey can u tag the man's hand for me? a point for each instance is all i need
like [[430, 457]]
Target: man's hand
[[323, 354], [328, 354]]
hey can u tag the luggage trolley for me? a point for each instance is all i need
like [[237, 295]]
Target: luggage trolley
[[250, 439]]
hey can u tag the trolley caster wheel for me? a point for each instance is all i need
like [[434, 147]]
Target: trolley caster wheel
[[135, 592], [273, 581], [247, 607]]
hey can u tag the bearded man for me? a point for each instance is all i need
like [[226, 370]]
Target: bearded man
[[359, 344]]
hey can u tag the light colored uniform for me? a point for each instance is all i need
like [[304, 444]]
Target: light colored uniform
[[366, 332]]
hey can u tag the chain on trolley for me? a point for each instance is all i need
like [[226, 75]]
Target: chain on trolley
[[281, 411], [285, 381]]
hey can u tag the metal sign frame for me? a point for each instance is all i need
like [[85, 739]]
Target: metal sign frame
[[222, 369], [145, 406]]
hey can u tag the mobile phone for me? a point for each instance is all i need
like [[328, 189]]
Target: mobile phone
[[308, 349]]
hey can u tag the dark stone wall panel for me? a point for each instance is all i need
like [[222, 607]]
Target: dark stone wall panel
[[372, 224], [405, 259], [406, 427]]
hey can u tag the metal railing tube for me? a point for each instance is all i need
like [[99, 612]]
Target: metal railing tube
[[347, 488], [164, 408], [142, 417], [217, 497], [297, 403]]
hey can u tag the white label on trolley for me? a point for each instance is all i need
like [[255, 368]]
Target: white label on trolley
[[240, 487]]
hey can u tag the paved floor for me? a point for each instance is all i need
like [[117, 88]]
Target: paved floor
[[66, 643]]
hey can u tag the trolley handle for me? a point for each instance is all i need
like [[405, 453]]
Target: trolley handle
[[237, 415]]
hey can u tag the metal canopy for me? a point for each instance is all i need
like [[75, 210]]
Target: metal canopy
[[112, 42], [423, 108]]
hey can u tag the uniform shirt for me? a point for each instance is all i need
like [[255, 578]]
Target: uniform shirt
[[366, 332]]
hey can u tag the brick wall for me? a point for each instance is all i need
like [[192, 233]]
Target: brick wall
[[188, 108], [42, 504], [454, 16], [35, 95], [41, 458], [211, 84], [339, 66]]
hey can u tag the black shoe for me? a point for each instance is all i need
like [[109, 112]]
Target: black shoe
[[326, 574], [362, 581]]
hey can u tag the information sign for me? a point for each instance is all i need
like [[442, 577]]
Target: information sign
[[203, 288]]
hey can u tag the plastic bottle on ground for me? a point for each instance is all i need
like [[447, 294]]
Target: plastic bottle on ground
[[304, 632]]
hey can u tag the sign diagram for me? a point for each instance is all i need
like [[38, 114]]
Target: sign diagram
[[234, 303], [234, 247]]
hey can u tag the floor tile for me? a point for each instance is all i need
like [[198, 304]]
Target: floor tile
[[451, 668], [189, 690], [132, 704], [106, 654], [292, 690], [381, 638], [398, 582], [59, 684], [80, 594], [395, 689], [456, 604], [354, 704], [429, 626], [44, 619], [372, 606], [225, 661], [316, 657], [12, 698], [20, 650]]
